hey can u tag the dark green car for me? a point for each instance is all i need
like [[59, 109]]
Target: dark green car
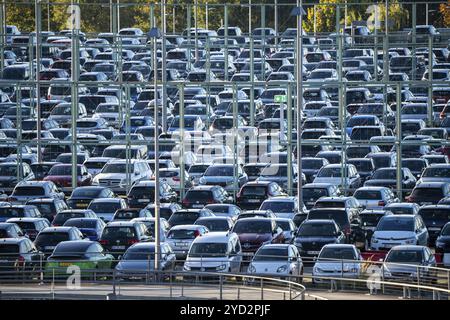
[[89, 256]]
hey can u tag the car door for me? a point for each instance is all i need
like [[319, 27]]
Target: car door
[[236, 257], [420, 232]]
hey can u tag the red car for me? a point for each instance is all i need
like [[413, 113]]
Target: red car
[[61, 175]]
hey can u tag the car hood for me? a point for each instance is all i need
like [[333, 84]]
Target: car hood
[[112, 176], [135, 265], [411, 267], [218, 179], [380, 182], [394, 235], [268, 266], [334, 181], [255, 237], [336, 265], [433, 179], [196, 262]]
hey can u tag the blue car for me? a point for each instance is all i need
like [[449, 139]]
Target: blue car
[[91, 228]]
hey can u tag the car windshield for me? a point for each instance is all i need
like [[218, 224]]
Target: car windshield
[[63, 171], [115, 233], [337, 254], [208, 250], [182, 234], [252, 226], [87, 224], [198, 195], [396, 224], [405, 256], [436, 172], [314, 193], [105, 207], [88, 193], [146, 254], [8, 171], [340, 217], [333, 172], [271, 254], [368, 194], [435, 215], [316, 230], [118, 168], [51, 238], [29, 191], [253, 191], [278, 206], [219, 171], [215, 225]]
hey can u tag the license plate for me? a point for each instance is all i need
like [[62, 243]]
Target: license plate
[[434, 229], [253, 200], [118, 247], [426, 203], [82, 205], [197, 206], [312, 252], [50, 248], [181, 244], [65, 264], [310, 203], [142, 200]]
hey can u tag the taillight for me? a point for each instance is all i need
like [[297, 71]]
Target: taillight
[[408, 199], [21, 261], [441, 115], [132, 241], [103, 242], [185, 202], [197, 233], [381, 203], [176, 179]]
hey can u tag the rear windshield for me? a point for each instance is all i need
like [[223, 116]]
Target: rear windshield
[[434, 215], [340, 217], [51, 238], [198, 195], [252, 226], [254, 191], [118, 233], [183, 218], [29, 191], [11, 212], [182, 234]]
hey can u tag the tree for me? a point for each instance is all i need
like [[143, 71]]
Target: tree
[[444, 10]]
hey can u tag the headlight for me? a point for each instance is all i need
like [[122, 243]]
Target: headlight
[[282, 269], [251, 269], [186, 268], [221, 267], [317, 270], [374, 240], [411, 241], [202, 180]]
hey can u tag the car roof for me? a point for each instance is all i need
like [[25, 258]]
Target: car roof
[[218, 237]]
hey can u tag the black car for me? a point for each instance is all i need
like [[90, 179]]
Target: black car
[[312, 235], [369, 222], [48, 238], [10, 230], [387, 177], [252, 194], [82, 196], [18, 211], [199, 196], [118, 236], [18, 255], [443, 240], [299, 218], [31, 226], [48, 207], [65, 215], [143, 193], [188, 216], [435, 218]]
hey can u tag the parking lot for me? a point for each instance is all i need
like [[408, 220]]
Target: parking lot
[[227, 141]]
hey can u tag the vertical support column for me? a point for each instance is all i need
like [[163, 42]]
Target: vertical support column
[[235, 133], [207, 17], [38, 28], [188, 19], [263, 25], [398, 141], [299, 103], [164, 67], [249, 17], [173, 19], [74, 101], [430, 81], [276, 23], [413, 39], [252, 91], [225, 13], [3, 39], [196, 27], [181, 158], [114, 18], [156, 174], [289, 139]]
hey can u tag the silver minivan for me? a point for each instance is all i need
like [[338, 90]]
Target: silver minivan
[[215, 252]]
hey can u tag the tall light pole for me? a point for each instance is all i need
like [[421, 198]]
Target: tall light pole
[[155, 34], [299, 12]]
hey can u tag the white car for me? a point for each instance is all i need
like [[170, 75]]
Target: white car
[[282, 207], [399, 229], [95, 165], [105, 208], [173, 178], [375, 197], [215, 252], [347, 177], [115, 176], [337, 260], [282, 260]]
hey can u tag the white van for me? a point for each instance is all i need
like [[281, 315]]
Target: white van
[[215, 252]]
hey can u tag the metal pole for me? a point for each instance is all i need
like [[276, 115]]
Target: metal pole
[[173, 19], [196, 27], [430, 81], [164, 75], [156, 136], [207, 18], [299, 102], [181, 157], [276, 23], [426, 13], [235, 133], [252, 75], [74, 102], [226, 41], [250, 17], [289, 139], [38, 26], [2, 35], [398, 141]]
